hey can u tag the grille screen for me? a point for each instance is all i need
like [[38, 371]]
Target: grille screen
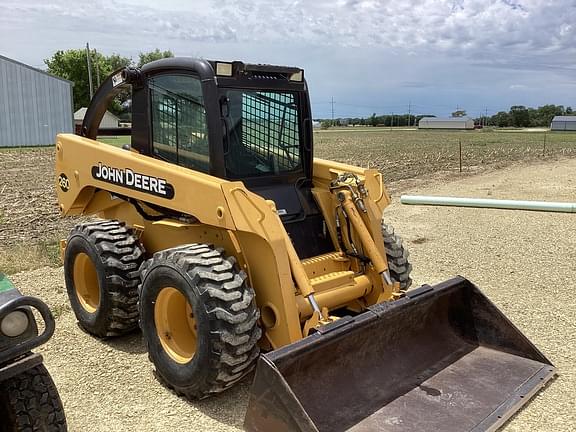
[[263, 133], [270, 128]]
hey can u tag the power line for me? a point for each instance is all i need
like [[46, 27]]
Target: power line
[[97, 70], [332, 109]]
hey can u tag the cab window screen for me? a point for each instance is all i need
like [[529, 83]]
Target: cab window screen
[[263, 133], [179, 132]]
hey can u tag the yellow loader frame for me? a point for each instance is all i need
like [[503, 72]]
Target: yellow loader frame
[[247, 226]]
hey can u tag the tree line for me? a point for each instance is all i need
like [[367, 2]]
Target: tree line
[[388, 120], [516, 116], [72, 65], [521, 116]]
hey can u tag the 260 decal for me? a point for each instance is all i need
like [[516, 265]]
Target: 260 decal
[[63, 182]]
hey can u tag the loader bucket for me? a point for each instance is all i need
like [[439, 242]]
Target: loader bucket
[[443, 358]]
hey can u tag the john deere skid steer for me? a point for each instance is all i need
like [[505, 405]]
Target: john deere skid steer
[[232, 247]]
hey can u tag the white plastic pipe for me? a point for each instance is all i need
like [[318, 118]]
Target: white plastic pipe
[[542, 206]]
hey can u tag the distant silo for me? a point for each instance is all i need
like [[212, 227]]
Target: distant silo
[[563, 123], [446, 123], [34, 105]]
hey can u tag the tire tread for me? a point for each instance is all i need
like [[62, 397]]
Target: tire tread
[[32, 402], [122, 254], [230, 303], [398, 257]]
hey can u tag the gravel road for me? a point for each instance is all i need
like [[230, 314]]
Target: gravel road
[[523, 261]]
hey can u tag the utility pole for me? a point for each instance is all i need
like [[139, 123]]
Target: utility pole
[[332, 103], [89, 70], [486, 117], [409, 113], [97, 70]]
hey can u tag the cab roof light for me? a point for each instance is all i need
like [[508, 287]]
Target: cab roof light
[[296, 76], [224, 69]]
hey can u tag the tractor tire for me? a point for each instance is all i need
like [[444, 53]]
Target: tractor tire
[[397, 255], [29, 402], [101, 269], [199, 319]]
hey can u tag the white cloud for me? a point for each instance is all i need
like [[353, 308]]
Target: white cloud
[[467, 28], [385, 48]]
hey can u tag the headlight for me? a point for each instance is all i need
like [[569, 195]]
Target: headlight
[[14, 324]]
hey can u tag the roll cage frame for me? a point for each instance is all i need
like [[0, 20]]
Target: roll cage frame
[[243, 77]]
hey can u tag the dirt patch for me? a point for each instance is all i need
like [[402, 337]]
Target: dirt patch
[[22, 257], [30, 224], [28, 204]]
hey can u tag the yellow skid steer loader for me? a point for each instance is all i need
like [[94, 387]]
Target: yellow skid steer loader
[[223, 238]]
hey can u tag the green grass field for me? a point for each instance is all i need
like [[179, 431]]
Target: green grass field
[[405, 153], [117, 141]]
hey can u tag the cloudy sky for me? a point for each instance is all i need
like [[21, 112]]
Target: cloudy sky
[[369, 55]]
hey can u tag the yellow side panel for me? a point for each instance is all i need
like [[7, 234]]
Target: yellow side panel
[[85, 164]]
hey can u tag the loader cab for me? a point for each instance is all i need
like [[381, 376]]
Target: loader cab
[[231, 120], [235, 121], [240, 122]]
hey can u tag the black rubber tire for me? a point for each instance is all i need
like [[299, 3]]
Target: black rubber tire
[[29, 402], [398, 257], [226, 316], [117, 256]]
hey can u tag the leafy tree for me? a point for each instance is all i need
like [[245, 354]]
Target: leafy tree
[[500, 119], [72, 65], [519, 116], [459, 113], [152, 56], [116, 61], [373, 120], [543, 115]]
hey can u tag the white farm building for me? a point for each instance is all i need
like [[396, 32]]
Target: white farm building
[[446, 123], [563, 123], [108, 121]]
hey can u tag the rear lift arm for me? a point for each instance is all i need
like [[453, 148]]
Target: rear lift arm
[[114, 84]]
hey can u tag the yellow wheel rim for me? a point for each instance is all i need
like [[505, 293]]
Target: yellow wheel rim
[[175, 325], [86, 283]]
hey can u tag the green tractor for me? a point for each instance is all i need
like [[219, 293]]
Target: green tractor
[[29, 400]]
